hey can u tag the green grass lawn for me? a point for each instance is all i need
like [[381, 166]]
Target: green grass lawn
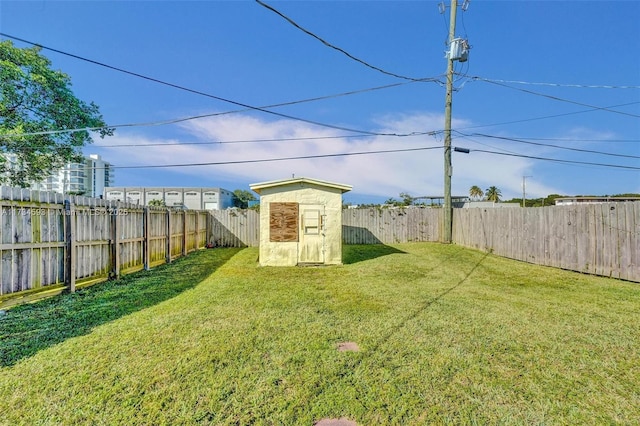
[[446, 335]]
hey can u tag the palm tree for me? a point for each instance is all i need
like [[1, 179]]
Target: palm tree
[[475, 192], [493, 194]]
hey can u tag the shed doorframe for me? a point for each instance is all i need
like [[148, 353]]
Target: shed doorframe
[[311, 245]]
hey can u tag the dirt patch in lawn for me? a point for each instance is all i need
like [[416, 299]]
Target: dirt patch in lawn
[[343, 421], [348, 347]]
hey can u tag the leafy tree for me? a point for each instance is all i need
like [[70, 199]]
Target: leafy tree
[[405, 200], [242, 197], [476, 193], [493, 193], [157, 203], [550, 200], [392, 202], [631, 194], [36, 99]]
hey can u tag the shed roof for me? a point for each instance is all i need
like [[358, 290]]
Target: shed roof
[[257, 187]]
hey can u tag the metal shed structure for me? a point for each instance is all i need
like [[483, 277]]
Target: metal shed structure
[[300, 222]]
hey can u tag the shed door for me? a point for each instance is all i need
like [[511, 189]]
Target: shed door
[[311, 246]]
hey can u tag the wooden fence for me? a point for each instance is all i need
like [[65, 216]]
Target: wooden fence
[[601, 239], [234, 228], [49, 244], [387, 226], [241, 228]]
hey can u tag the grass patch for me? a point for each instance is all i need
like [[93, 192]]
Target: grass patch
[[446, 335], [30, 328]]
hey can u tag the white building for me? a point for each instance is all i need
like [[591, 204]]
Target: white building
[[189, 197], [570, 201], [100, 175], [88, 178]]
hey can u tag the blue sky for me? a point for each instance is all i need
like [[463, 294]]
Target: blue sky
[[243, 52]]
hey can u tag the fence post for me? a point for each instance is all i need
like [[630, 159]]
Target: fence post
[[209, 230], [70, 243], [184, 233], [116, 243], [168, 258], [196, 244], [146, 217]]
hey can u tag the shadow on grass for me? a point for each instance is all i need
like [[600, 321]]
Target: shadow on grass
[[26, 329], [359, 253]]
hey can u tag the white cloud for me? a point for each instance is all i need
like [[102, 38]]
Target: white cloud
[[387, 174]]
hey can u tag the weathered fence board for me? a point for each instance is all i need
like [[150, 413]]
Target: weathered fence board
[[157, 236], [386, 226], [48, 244], [602, 239], [234, 228], [31, 241]]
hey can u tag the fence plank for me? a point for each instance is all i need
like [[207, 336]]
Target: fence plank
[[234, 228]]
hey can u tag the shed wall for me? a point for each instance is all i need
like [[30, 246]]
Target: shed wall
[[286, 253]]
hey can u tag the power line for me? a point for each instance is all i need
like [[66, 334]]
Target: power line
[[550, 145], [545, 117], [197, 92], [480, 143], [332, 46], [557, 160], [266, 160], [556, 98], [581, 86], [129, 145], [215, 114], [578, 140]]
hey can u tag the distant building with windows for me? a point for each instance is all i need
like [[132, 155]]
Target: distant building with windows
[[88, 178], [571, 201], [188, 197]]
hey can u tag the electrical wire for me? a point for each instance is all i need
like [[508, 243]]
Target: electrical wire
[[266, 160], [480, 143], [306, 157], [446, 24], [544, 117], [215, 114], [556, 98], [332, 46], [582, 86], [578, 140], [197, 92], [129, 145], [464, 27], [618, 166], [550, 145]]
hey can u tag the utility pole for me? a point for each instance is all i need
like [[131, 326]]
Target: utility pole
[[448, 212]]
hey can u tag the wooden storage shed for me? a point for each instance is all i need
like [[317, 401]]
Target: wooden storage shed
[[300, 222]]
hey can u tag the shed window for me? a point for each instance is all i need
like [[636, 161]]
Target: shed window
[[283, 222], [311, 222]]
